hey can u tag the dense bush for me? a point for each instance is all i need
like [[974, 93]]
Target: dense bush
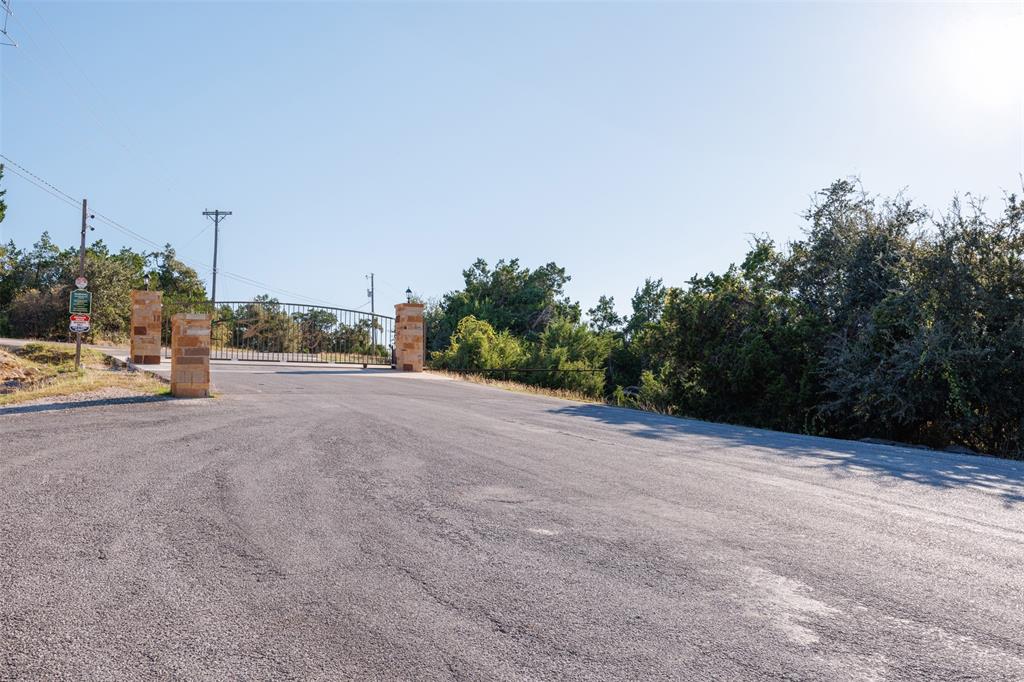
[[882, 321], [476, 345]]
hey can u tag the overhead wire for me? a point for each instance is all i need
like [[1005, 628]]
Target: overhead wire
[[5, 8], [39, 179], [66, 198], [92, 93], [196, 236], [49, 66], [57, 193], [43, 187]]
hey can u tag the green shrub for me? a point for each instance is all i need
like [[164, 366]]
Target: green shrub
[[476, 345]]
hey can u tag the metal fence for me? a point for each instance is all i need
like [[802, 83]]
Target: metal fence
[[289, 332]]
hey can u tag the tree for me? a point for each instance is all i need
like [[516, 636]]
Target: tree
[[510, 297], [42, 268], [263, 325], [727, 348], [112, 276], [316, 326], [603, 317], [173, 277], [576, 352], [38, 314], [648, 303], [10, 281]]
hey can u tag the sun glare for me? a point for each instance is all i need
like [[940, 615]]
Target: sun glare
[[984, 56]]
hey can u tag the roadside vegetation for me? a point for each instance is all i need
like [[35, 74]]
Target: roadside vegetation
[[39, 370], [884, 321], [498, 381]]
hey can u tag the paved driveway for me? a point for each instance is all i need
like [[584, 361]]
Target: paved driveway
[[332, 524]]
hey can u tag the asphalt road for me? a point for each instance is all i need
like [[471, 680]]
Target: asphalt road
[[358, 525]]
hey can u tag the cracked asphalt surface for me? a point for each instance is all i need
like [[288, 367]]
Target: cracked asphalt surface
[[326, 524]]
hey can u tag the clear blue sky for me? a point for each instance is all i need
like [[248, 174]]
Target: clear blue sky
[[619, 140]]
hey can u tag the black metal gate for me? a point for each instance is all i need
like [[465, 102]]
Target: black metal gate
[[289, 332]]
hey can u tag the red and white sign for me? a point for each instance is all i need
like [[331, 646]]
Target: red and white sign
[[81, 282], [80, 323]]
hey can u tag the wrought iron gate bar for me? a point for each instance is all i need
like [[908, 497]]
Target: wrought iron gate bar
[[267, 330]]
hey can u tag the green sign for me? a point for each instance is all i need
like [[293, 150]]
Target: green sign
[[81, 302]]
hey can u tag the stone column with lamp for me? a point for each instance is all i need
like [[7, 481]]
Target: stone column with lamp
[[409, 335]]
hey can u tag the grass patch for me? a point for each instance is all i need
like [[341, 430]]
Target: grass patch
[[57, 359], [42, 370], [517, 387]]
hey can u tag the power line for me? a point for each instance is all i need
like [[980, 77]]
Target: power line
[[251, 282], [397, 290], [14, 163], [49, 66], [5, 8], [41, 186], [63, 196], [85, 98], [128, 231], [196, 236]]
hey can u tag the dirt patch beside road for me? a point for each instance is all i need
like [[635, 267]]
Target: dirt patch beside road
[[38, 370]]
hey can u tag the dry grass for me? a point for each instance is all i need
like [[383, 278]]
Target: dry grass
[[39, 370], [517, 387]]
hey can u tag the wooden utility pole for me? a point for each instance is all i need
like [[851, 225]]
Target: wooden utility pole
[[216, 216], [373, 318], [81, 273]]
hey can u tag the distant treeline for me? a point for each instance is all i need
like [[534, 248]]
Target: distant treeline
[[35, 285], [884, 321]]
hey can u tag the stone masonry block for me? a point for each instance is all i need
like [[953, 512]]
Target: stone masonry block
[[409, 349], [190, 391], [146, 308], [190, 355], [183, 376]]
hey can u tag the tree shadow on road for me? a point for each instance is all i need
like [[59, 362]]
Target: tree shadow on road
[[938, 469], [75, 404]]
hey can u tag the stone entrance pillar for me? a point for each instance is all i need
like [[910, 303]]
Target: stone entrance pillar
[[409, 337], [190, 355], [146, 311]]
